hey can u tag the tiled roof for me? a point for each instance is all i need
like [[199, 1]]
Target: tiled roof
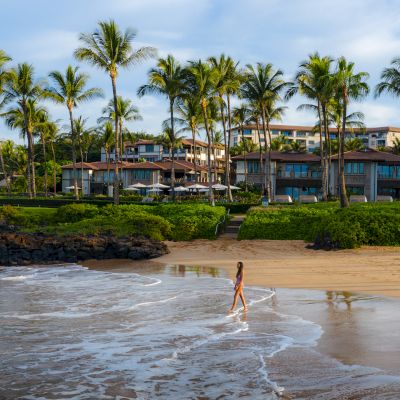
[[281, 156], [369, 155]]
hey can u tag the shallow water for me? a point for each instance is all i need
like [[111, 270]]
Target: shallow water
[[68, 332]]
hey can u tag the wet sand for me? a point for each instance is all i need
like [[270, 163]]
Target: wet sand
[[289, 264]]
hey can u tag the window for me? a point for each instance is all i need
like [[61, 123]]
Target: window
[[253, 167], [294, 192], [295, 170], [301, 134], [287, 133], [141, 174], [311, 142], [149, 148], [386, 171], [274, 132], [246, 131], [381, 142], [353, 168], [355, 190]]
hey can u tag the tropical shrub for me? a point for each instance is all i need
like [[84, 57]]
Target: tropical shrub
[[76, 212]]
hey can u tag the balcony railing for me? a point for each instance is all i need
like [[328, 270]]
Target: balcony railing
[[299, 174]]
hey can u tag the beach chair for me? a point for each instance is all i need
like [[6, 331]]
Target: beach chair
[[283, 198], [358, 199], [384, 198], [308, 199]]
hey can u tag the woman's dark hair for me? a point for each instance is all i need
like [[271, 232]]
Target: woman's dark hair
[[240, 269]]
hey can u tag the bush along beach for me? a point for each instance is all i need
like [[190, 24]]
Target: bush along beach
[[326, 227]]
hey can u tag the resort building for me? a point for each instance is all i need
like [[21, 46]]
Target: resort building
[[150, 150], [309, 137], [97, 176], [368, 172]]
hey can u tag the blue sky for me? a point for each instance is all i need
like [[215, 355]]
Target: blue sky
[[45, 33]]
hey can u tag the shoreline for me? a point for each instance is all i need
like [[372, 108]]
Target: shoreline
[[289, 264]]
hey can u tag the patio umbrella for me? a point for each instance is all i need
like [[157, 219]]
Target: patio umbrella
[[133, 189], [218, 186], [72, 187], [155, 190], [138, 186], [180, 189], [235, 188], [159, 186], [196, 186]]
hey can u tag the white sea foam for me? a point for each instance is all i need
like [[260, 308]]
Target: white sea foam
[[148, 303], [17, 278]]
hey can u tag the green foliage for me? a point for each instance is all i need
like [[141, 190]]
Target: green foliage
[[361, 224], [76, 212], [26, 217]]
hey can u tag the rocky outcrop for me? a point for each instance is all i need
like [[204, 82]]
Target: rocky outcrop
[[26, 248], [324, 242]]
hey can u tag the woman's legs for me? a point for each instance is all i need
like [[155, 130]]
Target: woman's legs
[[239, 292], [243, 299]]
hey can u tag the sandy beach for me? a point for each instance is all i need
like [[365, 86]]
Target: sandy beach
[[289, 264]]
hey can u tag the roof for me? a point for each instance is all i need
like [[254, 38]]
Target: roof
[[370, 155], [180, 165], [185, 141], [304, 128], [80, 165], [281, 156]]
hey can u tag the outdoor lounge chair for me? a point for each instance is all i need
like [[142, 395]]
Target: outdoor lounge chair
[[384, 198], [308, 199], [283, 198], [358, 199]]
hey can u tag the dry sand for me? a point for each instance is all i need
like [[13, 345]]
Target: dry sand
[[289, 264]]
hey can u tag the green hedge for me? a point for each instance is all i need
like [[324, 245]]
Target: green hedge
[[360, 224]]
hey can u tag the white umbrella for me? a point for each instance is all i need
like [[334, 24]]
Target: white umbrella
[[218, 186], [159, 186], [204, 190], [196, 186], [155, 190], [131, 188], [71, 187], [235, 188], [138, 186], [180, 189]]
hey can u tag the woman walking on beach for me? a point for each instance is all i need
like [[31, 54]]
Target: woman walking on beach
[[239, 287]]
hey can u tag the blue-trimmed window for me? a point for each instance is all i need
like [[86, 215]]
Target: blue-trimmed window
[[141, 174], [296, 170], [246, 131], [354, 168], [253, 166], [387, 171], [287, 133], [149, 148]]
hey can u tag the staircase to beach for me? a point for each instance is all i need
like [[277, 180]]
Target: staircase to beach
[[232, 229]]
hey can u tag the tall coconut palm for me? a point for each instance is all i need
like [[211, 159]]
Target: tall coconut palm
[[110, 49], [21, 88], [70, 89], [312, 81], [201, 80], [240, 116], [52, 137], [190, 118], [263, 85], [390, 80], [127, 112], [167, 79], [227, 82], [4, 58], [350, 86]]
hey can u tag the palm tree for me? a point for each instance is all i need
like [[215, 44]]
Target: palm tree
[[52, 136], [295, 146], [21, 88], [226, 83], [4, 58], [201, 80], [127, 112], [390, 79], [396, 146], [70, 89], [278, 143], [263, 86], [190, 117], [110, 49], [167, 79], [240, 116], [353, 144], [107, 138], [312, 81], [349, 85]]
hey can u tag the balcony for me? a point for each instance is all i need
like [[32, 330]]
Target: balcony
[[299, 174]]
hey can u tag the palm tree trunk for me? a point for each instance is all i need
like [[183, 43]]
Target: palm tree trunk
[[73, 139], [270, 162], [28, 134], [259, 144], [121, 142], [228, 148], [210, 191], [45, 166], [322, 155], [82, 181], [266, 184], [344, 202], [244, 157], [8, 184], [54, 169], [227, 183], [327, 151], [116, 151], [214, 156], [171, 110], [108, 168], [194, 153]]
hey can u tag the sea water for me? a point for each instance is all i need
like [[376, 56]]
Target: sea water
[[69, 332]]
